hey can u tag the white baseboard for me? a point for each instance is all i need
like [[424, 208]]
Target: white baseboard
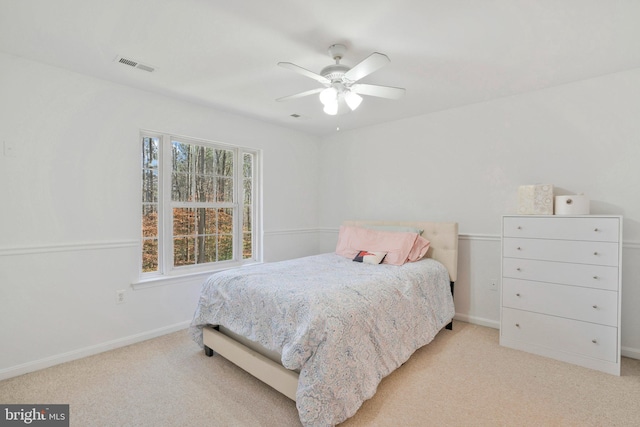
[[47, 362], [633, 353], [57, 359], [477, 320]]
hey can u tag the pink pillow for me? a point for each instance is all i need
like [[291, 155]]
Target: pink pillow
[[419, 249], [400, 246]]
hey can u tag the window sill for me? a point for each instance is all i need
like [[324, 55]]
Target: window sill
[[181, 278]]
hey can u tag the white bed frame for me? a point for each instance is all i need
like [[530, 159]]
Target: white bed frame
[[265, 365]]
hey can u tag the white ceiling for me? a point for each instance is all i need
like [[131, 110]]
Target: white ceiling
[[223, 54]]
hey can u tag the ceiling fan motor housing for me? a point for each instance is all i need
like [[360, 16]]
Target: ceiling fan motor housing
[[334, 72]]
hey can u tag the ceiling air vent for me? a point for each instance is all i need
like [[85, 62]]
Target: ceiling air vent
[[134, 64]]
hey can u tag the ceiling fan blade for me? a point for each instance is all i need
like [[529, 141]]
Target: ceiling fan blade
[[301, 94], [379, 91], [304, 72], [371, 63]]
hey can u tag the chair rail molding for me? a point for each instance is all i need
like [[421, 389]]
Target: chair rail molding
[[68, 247]]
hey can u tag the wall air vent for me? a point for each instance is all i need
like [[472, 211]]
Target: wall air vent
[[134, 64]]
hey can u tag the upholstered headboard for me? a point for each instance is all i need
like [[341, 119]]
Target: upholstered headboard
[[442, 235]]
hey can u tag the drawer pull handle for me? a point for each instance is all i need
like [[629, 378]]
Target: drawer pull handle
[[517, 325], [517, 295], [596, 229], [519, 228], [594, 341], [596, 277], [595, 253], [518, 269], [519, 248], [595, 306]]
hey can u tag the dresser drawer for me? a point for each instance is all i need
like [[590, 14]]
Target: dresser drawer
[[571, 228], [559, 334], [598, 253], [590, 276], [572, 302]]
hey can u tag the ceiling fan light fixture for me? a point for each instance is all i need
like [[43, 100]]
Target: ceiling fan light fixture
[[352, 99], [331, 108], [329, 96]]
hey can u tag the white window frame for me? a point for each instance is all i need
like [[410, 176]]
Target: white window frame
[[167, 272]]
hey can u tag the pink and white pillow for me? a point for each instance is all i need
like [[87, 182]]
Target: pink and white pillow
[[401, 247], [370, 257]]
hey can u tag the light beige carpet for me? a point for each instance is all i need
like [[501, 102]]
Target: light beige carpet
[[463, 378]]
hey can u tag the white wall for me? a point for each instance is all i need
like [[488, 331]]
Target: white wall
[[466, 164], [70, 193]]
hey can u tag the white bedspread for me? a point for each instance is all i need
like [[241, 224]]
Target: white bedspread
[[344, 325]]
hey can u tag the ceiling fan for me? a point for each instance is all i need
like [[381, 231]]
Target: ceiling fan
[[341, 91]]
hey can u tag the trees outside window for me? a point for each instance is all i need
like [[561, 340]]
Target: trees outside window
[[198, 204]]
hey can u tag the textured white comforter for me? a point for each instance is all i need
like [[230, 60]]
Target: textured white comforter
[[344, 325]]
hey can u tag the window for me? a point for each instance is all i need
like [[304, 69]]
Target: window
[[199, 209]]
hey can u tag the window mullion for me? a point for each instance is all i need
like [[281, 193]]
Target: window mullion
[[237, 214], [167, 208]]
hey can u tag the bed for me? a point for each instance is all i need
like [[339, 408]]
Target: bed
[[328, 334]]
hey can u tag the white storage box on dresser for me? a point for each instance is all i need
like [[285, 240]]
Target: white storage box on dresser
[[561, 288]]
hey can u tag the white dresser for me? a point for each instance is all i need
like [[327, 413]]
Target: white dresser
[[561, 288]]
